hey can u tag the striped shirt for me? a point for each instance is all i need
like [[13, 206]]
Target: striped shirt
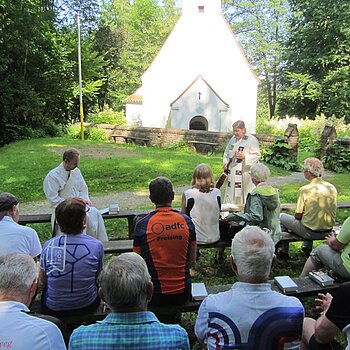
[[134, 330]]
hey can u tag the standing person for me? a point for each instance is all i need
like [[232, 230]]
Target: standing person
[[126, 287], [19, 330], [242, 151], [66, 181], [334, 254], [70, 264], [250, 315], [166, 239], [15, 238], [316, 207], [202, 203]]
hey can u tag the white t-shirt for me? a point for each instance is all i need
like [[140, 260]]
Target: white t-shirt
[[205, 214], [21, 331], [15, 238]]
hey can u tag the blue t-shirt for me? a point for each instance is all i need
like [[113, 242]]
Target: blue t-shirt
[[71, 263]]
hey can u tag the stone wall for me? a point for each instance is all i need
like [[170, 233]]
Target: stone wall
[[162, 136]]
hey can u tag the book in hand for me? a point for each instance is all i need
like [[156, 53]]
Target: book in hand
[[199, 292], [286, 284], [321, 278], [229, 207]]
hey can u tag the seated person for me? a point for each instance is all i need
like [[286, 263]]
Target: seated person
[[70, 264], [250, 315], [15, 238], [263, 205], [333, 255], [66, 181], [335, 317], [202, 204], [19, 330], [166, 239], [126, 287], [262, 208], [316, 207]]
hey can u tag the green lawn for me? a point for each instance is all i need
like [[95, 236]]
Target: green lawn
[[110, 168], [107, 167]]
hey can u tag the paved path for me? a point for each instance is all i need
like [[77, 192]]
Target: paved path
[[131, 200]]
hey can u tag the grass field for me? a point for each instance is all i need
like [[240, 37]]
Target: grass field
[[111, 168]]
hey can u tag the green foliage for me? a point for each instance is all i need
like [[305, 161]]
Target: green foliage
[[310, 130], [318, 79], [108, 116], [337, 158], [261, 26], [90, 133], [278, 154], [135, 32]]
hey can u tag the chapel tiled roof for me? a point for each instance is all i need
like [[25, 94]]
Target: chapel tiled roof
[[134, 99]]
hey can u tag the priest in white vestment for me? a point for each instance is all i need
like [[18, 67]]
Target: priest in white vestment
[[242, 151], [66, 181]]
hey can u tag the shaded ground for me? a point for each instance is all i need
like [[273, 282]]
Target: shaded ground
[[132, 200]]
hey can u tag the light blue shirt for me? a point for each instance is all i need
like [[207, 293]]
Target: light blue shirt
[[19, 331]]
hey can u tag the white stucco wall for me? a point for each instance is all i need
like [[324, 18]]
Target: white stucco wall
[[199, 99], [200, 44]]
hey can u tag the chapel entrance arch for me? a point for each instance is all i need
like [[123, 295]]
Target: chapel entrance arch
[[198, 123]]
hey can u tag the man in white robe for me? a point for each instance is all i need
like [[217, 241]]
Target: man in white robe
[[66, 181], [242, 151]]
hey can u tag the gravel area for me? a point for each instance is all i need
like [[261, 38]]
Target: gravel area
[[130, 200]]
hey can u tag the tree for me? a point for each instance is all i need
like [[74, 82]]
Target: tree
[[261, 26], [318, 59], [135, 32], [25, 29]]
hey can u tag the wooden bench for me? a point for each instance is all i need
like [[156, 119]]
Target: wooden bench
[[306, 288], [25, 219], [118, 246], [292, 206], [131, 139], [211, 145]]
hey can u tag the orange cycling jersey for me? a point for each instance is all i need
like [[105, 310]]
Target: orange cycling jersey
[[164, 238]]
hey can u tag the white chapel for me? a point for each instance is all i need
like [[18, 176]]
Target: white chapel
[[200, 79]]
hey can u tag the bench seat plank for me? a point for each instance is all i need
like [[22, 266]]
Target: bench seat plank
[[307, 288]]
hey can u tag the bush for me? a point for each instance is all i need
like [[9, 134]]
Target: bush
[[310, 130], [278, 154], [108, 116], [337, 159], [90, 133]]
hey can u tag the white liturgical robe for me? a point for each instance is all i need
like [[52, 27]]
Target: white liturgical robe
[[239, 182], [60, 184]]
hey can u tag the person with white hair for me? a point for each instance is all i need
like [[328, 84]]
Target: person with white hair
[[15, 238], [126, 287], [250, 315], [263, 205], [19, 330], [66, 181], [241, 152], [316, 207]]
